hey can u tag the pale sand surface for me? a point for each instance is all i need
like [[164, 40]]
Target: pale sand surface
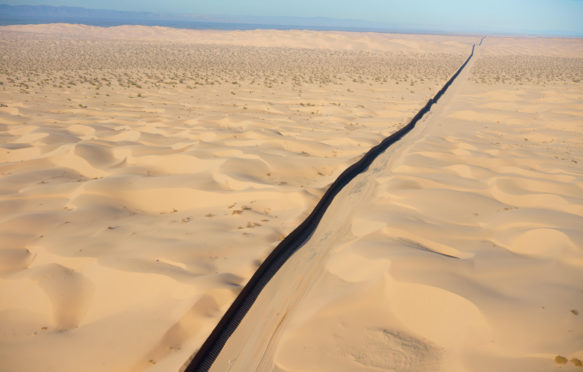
[[461, 249], [400, 43], [146, 172]]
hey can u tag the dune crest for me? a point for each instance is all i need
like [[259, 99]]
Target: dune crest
[[146, 172], [459, 249]]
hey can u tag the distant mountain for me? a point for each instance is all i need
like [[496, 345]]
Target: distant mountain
[[38, 11], [68, 11], [35, 14]]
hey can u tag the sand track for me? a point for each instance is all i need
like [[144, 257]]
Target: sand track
[[159, 173], [211, 349], [459, 249], [132, 186]]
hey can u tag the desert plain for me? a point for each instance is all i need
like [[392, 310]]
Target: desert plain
[[146, 172]]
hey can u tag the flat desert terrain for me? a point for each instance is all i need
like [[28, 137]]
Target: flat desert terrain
[[146, 172]]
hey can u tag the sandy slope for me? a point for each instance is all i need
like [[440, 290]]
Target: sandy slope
[[461, 249], [145, 172], [401, 43]]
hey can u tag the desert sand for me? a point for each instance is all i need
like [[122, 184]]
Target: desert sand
[[460, 249], [146, 172]]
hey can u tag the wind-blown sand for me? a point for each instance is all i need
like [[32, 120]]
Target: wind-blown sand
[[461, 249], [146, 172]]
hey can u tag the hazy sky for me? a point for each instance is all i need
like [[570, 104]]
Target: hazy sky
[[504, 16]]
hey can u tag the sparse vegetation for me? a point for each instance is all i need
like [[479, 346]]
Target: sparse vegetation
[[134, 64], [527, 69], [559, 359]]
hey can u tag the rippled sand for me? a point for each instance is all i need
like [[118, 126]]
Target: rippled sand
[[146, 172], [459, 250]]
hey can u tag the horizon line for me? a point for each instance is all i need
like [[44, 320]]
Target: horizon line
[[243, 23]]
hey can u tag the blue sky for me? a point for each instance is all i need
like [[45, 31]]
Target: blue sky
[[493, 16]]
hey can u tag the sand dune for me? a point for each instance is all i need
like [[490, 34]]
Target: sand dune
[[460, 249], [304, 39], [146, 172]]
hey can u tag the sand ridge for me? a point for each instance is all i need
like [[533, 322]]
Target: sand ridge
[[145, 173], [460, 249], [142, 181], [305, 39]]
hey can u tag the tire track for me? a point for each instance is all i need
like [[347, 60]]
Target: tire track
[[204, 358]]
